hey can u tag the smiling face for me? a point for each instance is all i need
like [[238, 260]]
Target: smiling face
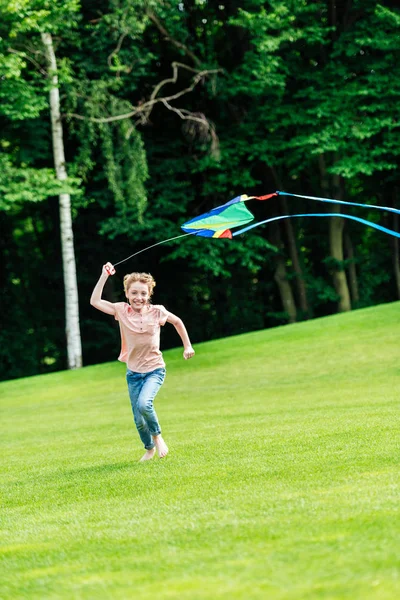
[[138, 295]]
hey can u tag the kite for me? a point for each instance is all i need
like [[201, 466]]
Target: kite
[[219, 222], [215, 223]]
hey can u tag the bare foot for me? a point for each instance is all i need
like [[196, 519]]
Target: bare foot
[[148, 455], [162, 448]]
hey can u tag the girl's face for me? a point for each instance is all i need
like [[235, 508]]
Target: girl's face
[[138, 295]]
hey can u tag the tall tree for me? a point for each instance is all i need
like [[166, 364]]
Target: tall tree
[[74, 346], [26, 179]]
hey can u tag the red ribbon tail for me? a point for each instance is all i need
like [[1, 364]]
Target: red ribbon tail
[[267, 197]]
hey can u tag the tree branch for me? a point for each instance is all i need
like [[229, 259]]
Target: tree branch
[[32, 60], [208, 127], [117, 49], [143, 111], [153, 17], [186, 114]]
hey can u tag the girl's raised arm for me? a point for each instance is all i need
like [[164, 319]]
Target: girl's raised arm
[[95, 299]]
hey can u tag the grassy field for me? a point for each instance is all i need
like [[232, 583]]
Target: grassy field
[[282, 480]]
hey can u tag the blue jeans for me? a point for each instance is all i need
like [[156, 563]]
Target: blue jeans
[[143, 388]]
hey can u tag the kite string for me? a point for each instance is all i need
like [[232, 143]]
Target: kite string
[[157, 244], [278, 193]]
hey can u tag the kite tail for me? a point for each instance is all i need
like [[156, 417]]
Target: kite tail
[[331, 201], [364, 221], [267, 197]]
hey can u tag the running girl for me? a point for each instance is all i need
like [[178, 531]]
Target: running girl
[[139, 323]]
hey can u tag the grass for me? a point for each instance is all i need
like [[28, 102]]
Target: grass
[[282, 480]]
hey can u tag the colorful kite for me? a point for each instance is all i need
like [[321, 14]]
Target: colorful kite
[[216, 222], [219, 222]]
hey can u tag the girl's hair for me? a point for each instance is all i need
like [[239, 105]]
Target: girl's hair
[[143, 278]]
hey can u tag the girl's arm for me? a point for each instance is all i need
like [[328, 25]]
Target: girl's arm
[[188, 351], [95, 299]]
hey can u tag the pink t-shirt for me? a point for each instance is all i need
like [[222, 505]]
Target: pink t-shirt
[[140, 336]]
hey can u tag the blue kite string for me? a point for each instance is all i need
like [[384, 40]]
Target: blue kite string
[[331, 201], [364, 221]]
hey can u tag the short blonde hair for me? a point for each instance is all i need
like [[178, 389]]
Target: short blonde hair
[[143, 278]]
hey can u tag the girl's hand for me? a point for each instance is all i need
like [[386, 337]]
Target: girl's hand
[[108, 269], [188, 353]]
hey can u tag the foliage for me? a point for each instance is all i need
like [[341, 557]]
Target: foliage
[[23, 184], [303, 97]]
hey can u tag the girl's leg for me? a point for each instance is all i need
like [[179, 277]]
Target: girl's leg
[[152, 383], [135, 384]]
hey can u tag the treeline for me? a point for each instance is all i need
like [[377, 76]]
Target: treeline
[[169, 109]]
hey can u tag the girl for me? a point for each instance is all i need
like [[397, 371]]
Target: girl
[[139, 323]]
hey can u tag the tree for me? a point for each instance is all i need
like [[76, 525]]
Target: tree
[[74, 346], [26, 24], [24, 181], [326, 69]]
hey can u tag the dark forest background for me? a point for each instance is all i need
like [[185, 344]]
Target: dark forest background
[[269, 95]]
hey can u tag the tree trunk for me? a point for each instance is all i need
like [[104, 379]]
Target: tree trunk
[[336, 238], [336, 250], [285, 289], [74, 346], [353, 281], [294, 255], [292, 248], [396, 255], [280, 276]]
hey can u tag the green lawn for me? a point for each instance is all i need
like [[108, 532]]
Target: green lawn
[[282, 480]]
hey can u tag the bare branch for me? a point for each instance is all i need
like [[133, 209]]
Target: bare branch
[[143, 111], [185, 114], [206, 132], [117, 49], [153, 17], [32, 60], [175, 71]]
